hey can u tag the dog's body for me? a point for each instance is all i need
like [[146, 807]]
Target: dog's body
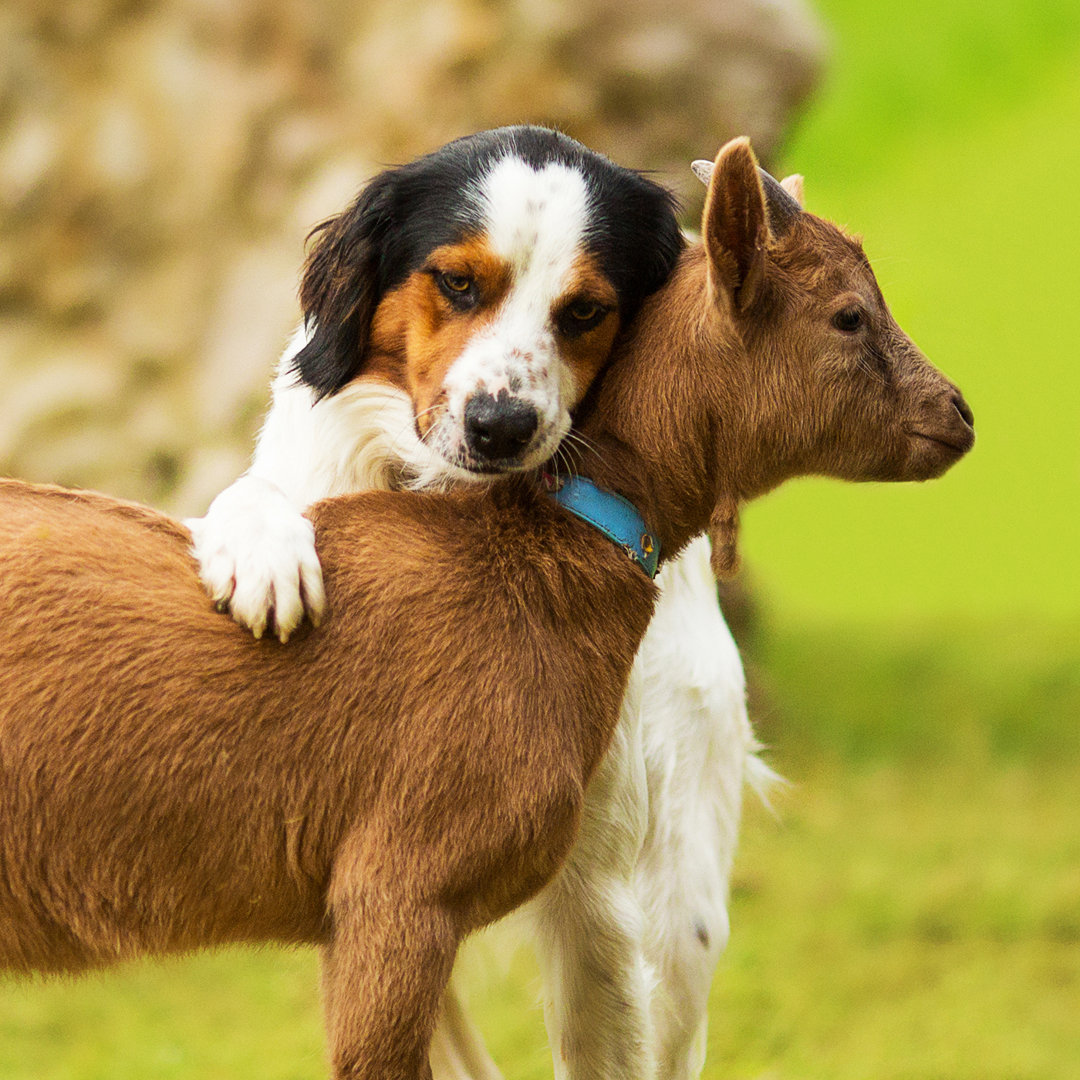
[[621, 997], [387, 783]]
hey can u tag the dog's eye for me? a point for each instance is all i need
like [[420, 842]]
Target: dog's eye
[[459, 289], [849, 320], [455, 283], [581, 316], [582, 310]]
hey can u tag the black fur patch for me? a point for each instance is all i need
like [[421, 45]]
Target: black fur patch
[[405, 213]]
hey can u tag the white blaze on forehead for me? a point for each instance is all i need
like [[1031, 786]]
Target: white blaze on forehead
[[535, 219]]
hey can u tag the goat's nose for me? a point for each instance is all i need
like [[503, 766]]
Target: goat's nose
[[964, 410], [499, 427]]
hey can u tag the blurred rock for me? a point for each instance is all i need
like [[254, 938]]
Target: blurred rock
[[161, 162]]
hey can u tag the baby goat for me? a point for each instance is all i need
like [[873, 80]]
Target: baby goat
[[415, 768]]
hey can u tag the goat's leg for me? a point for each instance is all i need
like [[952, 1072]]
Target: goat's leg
[[384, 973], [590, 928], [457, 1048]]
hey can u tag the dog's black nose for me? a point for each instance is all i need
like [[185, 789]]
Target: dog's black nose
[[499, 427]]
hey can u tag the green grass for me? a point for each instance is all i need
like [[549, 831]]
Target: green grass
[[916, 923], [914, 912]]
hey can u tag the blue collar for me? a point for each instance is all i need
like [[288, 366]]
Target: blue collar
[[613, 515]]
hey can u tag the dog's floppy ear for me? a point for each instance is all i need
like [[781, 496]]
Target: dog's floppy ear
[[341, 287], [735, 226]]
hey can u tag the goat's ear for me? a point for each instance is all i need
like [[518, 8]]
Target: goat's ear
[[793, 185], [340, 289], [724, 537], [735, 226]]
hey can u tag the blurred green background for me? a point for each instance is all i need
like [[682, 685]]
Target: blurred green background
[[912, 911], [948, 135]]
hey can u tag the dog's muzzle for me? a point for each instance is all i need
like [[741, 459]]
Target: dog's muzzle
[[499, 428]]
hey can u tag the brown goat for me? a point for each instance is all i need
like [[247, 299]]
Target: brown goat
[[414, 768]]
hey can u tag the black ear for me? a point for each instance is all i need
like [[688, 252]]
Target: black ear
[[341, 287]]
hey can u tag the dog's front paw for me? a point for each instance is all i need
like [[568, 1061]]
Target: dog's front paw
[[256, 555]]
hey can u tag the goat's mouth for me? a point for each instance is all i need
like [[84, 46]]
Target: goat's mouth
[[933, 453], [956, 445]]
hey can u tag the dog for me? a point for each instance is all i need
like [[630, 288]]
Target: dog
[[166, 782], [398, 388], [479, 291]]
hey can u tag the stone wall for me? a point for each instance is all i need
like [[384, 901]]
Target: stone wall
[[161, 162]]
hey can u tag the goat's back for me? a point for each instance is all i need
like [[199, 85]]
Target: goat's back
[[167, 782]]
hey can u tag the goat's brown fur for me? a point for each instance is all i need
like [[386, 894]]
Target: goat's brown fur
[[415, 767]]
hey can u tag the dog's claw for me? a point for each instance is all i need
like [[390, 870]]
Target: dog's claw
[[257, 559]]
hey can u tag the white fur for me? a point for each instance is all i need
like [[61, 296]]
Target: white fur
[[620, 931], [699, 750], [536, 220], [256, 553]]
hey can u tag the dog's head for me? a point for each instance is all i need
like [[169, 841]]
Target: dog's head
[[489, 281]]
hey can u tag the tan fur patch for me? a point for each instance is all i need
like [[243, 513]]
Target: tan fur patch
[[585, 355], [417, 333]]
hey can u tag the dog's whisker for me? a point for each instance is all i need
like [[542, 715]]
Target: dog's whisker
[[583, 444]]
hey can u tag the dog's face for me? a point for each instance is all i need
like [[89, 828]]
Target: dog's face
[[489, 281]]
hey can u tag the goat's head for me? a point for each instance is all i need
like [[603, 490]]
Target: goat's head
[[772, 354]]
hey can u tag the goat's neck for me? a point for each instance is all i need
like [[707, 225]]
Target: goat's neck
[[651, 434]]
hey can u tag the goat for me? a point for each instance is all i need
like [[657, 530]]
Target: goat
[[416, 767]]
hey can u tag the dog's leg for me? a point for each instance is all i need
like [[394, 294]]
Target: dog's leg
[[590, 928], [698, 745], [457, 1048]]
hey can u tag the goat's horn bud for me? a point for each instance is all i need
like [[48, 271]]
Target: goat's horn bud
[[702, 170]]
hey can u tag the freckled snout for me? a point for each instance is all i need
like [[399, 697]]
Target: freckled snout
[[499, 428]]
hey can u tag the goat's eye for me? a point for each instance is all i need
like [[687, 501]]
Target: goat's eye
[[849, 320], [581, 316]]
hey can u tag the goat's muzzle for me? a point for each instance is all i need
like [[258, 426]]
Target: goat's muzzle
[[941, 437]]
